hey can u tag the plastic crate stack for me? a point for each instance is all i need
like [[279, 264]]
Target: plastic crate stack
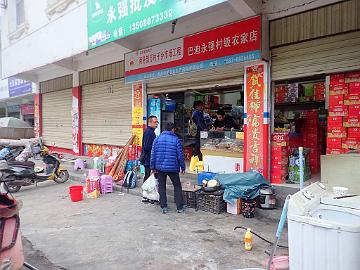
[[211, 202], [344, 113]]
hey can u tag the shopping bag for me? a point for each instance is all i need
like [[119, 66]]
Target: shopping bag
[[194, 160], [150, 188]]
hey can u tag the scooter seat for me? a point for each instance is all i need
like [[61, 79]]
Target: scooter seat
[[25, 164]]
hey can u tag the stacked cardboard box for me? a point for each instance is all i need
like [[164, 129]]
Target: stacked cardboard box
[[313, 139], [319, 91], [279, 157], [344, 113], [280, 94]]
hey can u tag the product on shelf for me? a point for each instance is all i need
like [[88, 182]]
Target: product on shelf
[[352, 99], [337, 78], [354, 132]]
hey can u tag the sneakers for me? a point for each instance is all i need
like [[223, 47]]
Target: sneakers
[[164, 210], [144, 200], [181, 210]]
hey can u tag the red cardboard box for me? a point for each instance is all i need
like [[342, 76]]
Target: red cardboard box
[[278, 179], [312, 114], [280, 139], [354, 88], [353, 121], [337, 78], [353, 143], [333, 151], [341, 110], [354, 110], [319, 86], [351, 99], [338, 89], [335, 100], [279, 149], [333, 142], [352, 77], [337, 132], [319, 97], [354, 132], [335, 121]]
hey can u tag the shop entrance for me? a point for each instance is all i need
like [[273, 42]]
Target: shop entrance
[[300, 120], [218, 141]]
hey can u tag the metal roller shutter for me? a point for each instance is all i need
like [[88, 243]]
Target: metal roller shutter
[[106, 113], [320, 56], [56, 118], [221, 76]]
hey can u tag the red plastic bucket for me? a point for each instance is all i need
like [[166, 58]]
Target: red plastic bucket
[[76, 193]]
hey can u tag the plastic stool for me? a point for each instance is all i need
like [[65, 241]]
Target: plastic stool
[[79, 164], [94, 173], [106, 184]]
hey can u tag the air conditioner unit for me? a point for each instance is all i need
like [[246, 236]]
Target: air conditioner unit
[[3, 4]]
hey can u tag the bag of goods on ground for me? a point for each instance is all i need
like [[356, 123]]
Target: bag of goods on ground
[[92, 187]]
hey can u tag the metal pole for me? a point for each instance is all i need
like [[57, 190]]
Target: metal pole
[[301, 165]]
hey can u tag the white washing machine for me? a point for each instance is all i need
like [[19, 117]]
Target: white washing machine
[[324, 232]]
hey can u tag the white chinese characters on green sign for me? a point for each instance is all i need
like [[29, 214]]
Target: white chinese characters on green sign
[[109, 20]]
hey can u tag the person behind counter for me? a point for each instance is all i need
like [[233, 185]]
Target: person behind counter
[[223, 121], [198, 118]]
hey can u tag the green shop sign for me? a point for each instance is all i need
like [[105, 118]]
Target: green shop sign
[[109, 20]]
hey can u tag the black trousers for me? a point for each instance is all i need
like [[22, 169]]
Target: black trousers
[[175, 179], [147, 173], [197, 151]]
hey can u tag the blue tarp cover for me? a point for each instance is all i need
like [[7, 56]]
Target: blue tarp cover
[[241, 185]]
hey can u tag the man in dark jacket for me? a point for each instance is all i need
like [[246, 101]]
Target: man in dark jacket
[[198, 118], [167, 159], [147, 142]]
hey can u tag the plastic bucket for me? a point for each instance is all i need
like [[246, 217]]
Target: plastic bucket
[[76, 193]]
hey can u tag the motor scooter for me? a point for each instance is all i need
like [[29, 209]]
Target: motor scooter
[[18, 174]]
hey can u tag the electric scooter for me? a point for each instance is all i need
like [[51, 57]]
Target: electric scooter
[[18, 174]]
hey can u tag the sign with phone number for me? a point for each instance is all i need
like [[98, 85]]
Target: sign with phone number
[[109, 20]]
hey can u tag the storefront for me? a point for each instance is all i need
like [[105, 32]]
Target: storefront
[[56, 118], [314, 83], [210, 66], [106, 110]]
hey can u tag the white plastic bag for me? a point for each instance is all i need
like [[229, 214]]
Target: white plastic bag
[[150, 188]]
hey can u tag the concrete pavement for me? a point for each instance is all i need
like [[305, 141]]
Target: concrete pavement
[[117, 231]]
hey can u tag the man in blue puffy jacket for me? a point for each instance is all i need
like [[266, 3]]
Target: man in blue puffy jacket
[[167, 159]]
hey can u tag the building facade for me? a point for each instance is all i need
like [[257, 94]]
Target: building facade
[[81, 56]]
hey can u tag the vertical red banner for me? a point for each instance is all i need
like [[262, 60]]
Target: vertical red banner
[[38, 115], [76, 121], [256, 123]]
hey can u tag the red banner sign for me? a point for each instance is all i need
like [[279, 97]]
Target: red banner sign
[[256, 123], [232, 43]]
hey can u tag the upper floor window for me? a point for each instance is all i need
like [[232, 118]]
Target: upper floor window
[[20, 12]]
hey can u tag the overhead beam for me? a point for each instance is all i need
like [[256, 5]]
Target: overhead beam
[[67, 64], [127, 43], [246, 8], [28, 77]]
